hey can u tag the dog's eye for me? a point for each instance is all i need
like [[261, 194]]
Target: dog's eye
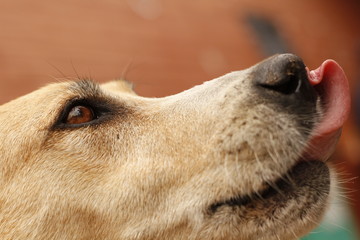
[[80, 114]]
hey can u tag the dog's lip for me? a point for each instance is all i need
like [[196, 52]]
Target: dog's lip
[[287, 187], [330, 81]]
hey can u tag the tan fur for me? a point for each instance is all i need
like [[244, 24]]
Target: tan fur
[[150, 171]]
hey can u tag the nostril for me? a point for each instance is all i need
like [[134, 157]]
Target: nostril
[[283, 78], [284, 74], [287, 85]]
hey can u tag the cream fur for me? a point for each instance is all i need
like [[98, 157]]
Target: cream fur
[[153, 169]]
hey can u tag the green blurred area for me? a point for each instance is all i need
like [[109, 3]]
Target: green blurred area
[[338, 225]]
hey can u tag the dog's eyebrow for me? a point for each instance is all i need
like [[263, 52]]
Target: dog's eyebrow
[[85, 88]]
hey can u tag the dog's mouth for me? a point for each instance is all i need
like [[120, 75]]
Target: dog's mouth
[[290, 186], [311, 170]]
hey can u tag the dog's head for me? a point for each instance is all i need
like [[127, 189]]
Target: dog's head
[[239, 157]]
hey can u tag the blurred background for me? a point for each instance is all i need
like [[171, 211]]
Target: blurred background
[[165, 47]]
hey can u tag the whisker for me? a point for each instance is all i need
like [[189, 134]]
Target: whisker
[[57, 69]]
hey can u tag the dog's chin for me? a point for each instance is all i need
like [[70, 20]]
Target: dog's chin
[[310, 179]]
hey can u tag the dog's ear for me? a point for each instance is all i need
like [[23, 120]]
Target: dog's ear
[[119, 85]]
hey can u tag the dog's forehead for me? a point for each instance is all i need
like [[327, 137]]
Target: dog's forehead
[[119, 86], [89, 87], [55, 93], [84, 88], [68, 89], [49, 99]]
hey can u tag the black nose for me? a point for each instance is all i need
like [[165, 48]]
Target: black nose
[[283, 76]]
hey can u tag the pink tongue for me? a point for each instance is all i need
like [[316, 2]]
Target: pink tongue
[[331, 84]]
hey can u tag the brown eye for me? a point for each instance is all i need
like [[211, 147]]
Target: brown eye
[[80, 114]]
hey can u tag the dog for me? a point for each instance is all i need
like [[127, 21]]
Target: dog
[[243, 156]]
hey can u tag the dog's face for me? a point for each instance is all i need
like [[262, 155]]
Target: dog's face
[[224, 160]]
